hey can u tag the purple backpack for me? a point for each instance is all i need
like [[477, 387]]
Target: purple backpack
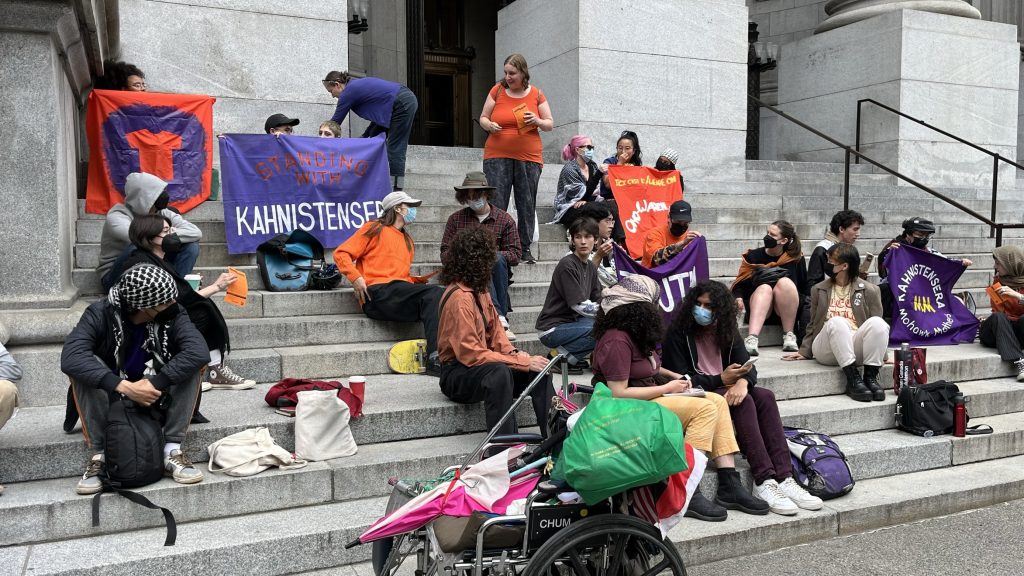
[[818, 463]]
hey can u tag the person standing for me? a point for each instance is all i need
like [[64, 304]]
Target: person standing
[[389, 106], [513, 114]]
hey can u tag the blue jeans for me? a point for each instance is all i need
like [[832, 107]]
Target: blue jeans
[[572, 338], [403, 112], [499, 285], [183, 262]]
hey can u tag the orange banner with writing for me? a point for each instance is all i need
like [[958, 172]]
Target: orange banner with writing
[[167, 135], [644, 196]]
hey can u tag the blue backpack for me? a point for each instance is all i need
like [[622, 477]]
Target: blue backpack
[[286, 261], [818, 463]]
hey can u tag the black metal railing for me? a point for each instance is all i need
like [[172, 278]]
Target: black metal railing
[[996, 227], [996, 158]]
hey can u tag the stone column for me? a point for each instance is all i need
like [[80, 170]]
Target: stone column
[[673, 71], [48, 53], [958, 74], [843, 12]]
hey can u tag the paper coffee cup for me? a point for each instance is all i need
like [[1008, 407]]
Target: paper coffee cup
[[193, 280]]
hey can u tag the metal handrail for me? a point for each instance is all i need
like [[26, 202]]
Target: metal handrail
[[996, 157], [998, 227]]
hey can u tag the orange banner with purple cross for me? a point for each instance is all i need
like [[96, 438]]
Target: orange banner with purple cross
[[167, 135]]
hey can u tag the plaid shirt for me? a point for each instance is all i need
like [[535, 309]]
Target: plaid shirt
[[504, 228]]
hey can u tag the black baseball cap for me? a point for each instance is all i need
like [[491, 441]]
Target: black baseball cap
[[680, 211], [277, 120], [918, 224]]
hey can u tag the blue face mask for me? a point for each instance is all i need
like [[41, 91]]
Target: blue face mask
[[410, 216], [703, 316], [478, 205], [588, 155]]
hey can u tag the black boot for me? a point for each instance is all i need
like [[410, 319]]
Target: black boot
[[734, 496], [871, 382], [703, 509], [197, 417], [855, 387]]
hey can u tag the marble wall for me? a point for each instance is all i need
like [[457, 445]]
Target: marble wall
[[672, 71]]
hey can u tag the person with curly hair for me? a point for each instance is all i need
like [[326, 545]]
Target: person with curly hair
[[477, 360], [704, 343], [121, 76], [628, 330]]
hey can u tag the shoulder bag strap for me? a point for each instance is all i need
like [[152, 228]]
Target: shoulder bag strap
[[172, 525]]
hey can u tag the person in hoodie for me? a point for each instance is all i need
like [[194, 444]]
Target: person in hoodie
[[705, 345], [145, 194], [137, 342]]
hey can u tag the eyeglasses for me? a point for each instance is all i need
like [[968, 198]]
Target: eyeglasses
[[138, 85]]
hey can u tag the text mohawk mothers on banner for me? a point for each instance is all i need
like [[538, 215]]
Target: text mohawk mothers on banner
[[272, 185]]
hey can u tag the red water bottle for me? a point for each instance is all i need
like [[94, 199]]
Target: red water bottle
[[959, 415]]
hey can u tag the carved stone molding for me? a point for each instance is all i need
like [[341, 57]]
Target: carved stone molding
[[843, 12]]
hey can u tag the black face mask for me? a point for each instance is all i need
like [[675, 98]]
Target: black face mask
[[830, 270], [919, 242], [659, 165], [678, 229], [166, 315], [171, 244], [770, 242]]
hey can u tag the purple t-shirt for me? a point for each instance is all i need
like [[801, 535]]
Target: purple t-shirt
[[616, 357], [371, 98]]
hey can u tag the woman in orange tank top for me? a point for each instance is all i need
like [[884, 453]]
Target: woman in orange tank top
[[513, 115]]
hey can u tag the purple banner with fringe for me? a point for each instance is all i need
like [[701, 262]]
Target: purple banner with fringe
[[924, 310], [676, 276]]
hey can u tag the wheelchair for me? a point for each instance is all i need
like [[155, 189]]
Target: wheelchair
[[548, 537]]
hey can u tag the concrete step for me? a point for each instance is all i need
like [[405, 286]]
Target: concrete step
[[826, 167], [792, 176], [218, 546], [873, 504]]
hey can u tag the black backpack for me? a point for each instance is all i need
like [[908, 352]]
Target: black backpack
[[134, 457], [926, 410]]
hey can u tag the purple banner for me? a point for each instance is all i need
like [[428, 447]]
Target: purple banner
[[328, 187], [676, 276], [924, 310]]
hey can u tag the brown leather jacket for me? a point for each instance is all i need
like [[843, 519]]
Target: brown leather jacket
[[866, 300]]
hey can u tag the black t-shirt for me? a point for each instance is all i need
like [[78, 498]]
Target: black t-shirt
[[572, 282]]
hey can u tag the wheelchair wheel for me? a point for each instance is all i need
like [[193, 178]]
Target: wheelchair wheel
[[607, 545]]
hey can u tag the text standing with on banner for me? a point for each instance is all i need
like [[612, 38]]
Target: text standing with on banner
[[328, 187]]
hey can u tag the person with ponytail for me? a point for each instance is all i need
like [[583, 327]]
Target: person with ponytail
[[772, 285]]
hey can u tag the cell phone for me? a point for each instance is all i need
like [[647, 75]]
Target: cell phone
[[750, 363]]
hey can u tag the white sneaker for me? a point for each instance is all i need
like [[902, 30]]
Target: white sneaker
[[508, 331], [206, 386], [777, 501], [751, 344], [789, 342], [799, 496], [1018, 365]]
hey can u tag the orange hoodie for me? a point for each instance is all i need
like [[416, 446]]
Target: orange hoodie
[[378, 260]]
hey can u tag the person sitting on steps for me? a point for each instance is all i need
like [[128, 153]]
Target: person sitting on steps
[[567, 317], [846, 325], [705, 344], [136, 342], [377, 260], [147, 234], [844, 228], [476, 195], [628, 330], [1004, 328], [664, 242], [145, 194], [10, 374], [477, 360], [763, 296], [602, 255]]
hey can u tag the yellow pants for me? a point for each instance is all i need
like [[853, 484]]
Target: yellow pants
[[707, 425]]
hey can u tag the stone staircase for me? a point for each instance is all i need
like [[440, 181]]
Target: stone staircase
[[298, 521]]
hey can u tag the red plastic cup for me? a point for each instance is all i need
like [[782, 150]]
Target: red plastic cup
[[357, 384]]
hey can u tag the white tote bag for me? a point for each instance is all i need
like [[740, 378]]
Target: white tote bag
[[321, 426], [249, 452]]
